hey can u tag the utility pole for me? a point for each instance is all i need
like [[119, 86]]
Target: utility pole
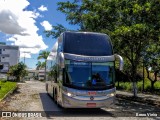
[[24, 58], [25, 55]]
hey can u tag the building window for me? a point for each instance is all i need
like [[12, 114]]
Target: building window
[[3, 49], [3, 57], [0, 51]]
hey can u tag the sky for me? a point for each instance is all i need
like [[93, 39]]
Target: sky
[[23, 22]]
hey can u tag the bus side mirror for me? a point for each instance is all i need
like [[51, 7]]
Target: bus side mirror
[[121, 62], [61, 60]]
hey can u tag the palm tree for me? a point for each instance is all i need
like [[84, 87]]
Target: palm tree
[[43, 55], [39, 65]]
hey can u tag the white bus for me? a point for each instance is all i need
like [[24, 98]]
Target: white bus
[[81, 70]]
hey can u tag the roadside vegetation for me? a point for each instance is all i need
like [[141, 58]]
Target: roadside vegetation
[[127, 86], [123, 82], [18, 71], [5, 87], [15, 73]]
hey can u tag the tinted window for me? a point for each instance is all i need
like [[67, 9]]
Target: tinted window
[[87, 44], [89, 75]]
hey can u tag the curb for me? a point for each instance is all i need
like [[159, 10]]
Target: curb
[[10, 92], [139, 99]]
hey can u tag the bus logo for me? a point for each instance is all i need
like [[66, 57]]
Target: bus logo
[[91, 98]]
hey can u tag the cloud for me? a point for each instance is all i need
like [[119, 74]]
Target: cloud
[[19, 23], [9, 23], [32, 43], [46, 25], [42, 8]]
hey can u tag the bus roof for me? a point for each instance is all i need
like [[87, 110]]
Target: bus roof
[[87, 43]]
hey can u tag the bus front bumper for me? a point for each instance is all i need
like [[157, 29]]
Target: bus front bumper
[[71, 102]]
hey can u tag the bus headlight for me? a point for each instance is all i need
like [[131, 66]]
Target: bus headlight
[[111, 95], [70, 94]]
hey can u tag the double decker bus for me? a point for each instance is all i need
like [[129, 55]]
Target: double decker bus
[[81, 70]]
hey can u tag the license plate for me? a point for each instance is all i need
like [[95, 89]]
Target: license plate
[[91, 104], [92, 93]]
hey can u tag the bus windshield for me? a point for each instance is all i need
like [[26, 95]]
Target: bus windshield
[[89, 75]]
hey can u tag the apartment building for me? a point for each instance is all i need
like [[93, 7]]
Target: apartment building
[[9, 55]]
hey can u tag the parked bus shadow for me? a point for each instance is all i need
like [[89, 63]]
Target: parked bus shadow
[[52, 110]]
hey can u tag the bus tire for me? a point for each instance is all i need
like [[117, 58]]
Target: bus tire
[[56, 101]]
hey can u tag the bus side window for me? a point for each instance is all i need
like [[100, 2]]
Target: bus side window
[[66, 77], [57, 73], [60, 76]]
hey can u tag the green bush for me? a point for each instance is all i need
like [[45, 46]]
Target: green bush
[[139, 85], [127, 86], [124, 86], [157, 85]]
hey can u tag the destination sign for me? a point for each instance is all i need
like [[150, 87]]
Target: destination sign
[[79, 63], [89, 58]]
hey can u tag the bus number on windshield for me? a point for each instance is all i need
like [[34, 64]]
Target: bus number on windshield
[[92, 93]]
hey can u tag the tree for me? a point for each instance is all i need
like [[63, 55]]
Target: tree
[[132, 25], [138, 28], [95, 15], [40, 65], [57, 31], [19, 71], [43, 55], [152, 62]]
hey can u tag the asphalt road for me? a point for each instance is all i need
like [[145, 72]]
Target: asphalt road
[[32, 97]]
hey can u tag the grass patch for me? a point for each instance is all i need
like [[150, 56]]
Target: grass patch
[[5, 87]]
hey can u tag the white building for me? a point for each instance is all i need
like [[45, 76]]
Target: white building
[[41, 74], [9, 55]]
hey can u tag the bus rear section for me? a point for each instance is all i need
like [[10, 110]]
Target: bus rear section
[[85, 68]]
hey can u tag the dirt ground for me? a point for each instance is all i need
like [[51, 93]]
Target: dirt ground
[[25, 98]]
